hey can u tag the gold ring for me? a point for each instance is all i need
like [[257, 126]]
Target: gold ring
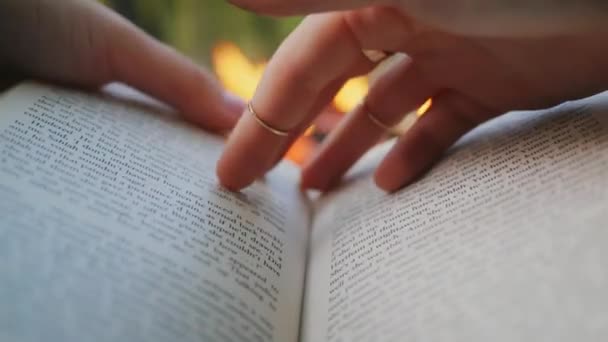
[[375, 120], [264, 124], [375, 56]]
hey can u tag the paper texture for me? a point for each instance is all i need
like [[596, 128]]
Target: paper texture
[[505, 240], [113, 228]]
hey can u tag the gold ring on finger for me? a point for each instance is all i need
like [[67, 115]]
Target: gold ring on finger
[[264, 124]]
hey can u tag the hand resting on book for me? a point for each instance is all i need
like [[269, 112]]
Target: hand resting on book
[[472, 69], [83, 43]]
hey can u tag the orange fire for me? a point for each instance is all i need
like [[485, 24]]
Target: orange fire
[[241, 76], [235, 71], [425, 107], [353, 91]]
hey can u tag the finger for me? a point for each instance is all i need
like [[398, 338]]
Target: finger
[[450, 117], [500, 18], [141, 61], [323, 49], [400, 90], [84, 43], [292, 7], [321, 104], [266, 158]]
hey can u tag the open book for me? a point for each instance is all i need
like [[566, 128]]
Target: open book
[[113, 228]]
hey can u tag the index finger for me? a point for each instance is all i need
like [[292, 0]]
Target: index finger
[[135, 58], [282, 7], [321, 51], [302, 78]]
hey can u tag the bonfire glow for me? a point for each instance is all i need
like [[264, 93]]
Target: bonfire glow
[[309, 131], [241, 76], [424, 108], [235, 71], [351, 94]]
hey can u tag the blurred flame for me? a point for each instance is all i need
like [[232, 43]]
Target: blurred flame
[[424, 108], [301, 150], [309, 131], [240, 75], [353, 91], [235, 71]]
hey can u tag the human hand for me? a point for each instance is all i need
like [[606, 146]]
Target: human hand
[[471, 78], [471, 17], [85, 44]]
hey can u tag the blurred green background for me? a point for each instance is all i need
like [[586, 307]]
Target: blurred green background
[[195, 26], [199, 29]]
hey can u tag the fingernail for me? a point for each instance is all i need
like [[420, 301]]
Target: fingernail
[[392, 184], [235, 105], [312, 183]]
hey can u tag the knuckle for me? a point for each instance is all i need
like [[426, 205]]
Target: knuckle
[[298, 79], [465, 111], [390, 105]]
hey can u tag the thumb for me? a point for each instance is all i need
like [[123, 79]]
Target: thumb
[[135, 58], [294, 7], [86, 44]]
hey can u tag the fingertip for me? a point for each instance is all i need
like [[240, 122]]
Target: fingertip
[[381, 181], [278, 7], [206, 104], [310, 180], [391, 176], [229, 177], [235, 106], [219, 121], [386, 184], [152, 67], [248, 154], [318, 174], [229, 111]]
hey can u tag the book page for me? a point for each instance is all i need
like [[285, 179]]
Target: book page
[[113, 228], [504, 240]]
